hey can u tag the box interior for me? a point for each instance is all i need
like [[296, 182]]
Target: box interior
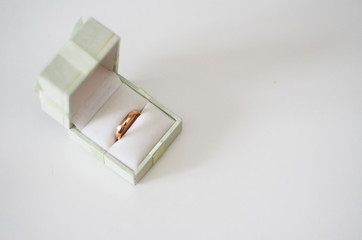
[[105, 107]]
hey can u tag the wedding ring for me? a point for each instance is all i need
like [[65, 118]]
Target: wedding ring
[[126, 123]]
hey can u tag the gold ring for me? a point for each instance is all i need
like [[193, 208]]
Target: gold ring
[[126, 123]]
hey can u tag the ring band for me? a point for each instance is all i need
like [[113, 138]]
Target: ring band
[[126, 123]]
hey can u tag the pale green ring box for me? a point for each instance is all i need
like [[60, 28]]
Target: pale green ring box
[[66, 72]]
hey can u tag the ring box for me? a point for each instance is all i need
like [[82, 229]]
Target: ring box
[[81, 89]]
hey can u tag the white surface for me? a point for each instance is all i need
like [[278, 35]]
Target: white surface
[[282, 78]]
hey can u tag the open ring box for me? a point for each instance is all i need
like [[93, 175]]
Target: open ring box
[[80, 88]]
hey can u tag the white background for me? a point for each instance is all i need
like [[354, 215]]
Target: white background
[[271, 97]]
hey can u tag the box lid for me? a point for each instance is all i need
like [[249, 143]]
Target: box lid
[[91, 44]]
